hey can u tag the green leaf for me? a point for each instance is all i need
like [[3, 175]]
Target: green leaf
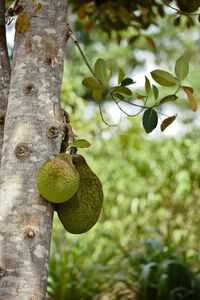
[[164, 78], [168, 121], [127, 81], [121, 75], [155, 92], [81, 143], [119, 96], [123, 90], [91, 83], [147, 85], [150, 120], [101, 70], [168, 98], [181, 67], [97, 94]]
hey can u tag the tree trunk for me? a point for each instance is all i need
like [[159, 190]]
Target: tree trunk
[[4, 72], [30, 138]]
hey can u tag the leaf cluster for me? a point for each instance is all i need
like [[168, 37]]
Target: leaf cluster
[[101, 89], [120, 15]]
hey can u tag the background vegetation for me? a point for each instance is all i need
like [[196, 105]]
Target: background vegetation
[[146, 243]]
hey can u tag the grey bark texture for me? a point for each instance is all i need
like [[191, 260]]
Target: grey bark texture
[[30, 139], [4, 72]]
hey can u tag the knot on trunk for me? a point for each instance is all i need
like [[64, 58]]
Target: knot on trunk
[[22, 151], [52, 132]]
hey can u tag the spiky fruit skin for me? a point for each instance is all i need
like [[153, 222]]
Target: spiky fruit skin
[[58, 179], [82, 211]]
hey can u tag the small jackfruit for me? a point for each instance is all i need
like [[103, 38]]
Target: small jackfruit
[[57, 179], [82, 211]]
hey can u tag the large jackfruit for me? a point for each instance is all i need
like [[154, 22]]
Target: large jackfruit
[[82, 211], [57, 179]]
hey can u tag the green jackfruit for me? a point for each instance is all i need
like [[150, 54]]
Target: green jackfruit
[[82, 211], [57, 179]]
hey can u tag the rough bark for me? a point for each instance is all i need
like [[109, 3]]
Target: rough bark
[[29, 140], [4, 72]]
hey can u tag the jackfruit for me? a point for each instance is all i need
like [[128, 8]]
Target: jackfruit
[[57, 179], [82, 211]]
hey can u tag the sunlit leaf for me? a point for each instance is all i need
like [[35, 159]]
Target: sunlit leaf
[[22, 22], [97, 94], [164, 78], [168, 98], [81, 143], [147, 85], [191, 98], [91, 83], [121, 75], [181, 67], [155, 92], [101, 70], [168, 121], [150, 120]]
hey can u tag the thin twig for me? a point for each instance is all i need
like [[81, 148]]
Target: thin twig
[[75, 40], [102, 117], [160, 113], [134, 104]]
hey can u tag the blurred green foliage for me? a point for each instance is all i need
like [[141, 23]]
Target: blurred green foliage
[[148, 231], [146, 243]]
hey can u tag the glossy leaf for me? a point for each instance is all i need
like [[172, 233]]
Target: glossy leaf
[[150, 120], [81, 143], [164, 78], [91, 83], [168, 121], [121, 75], [181, 68], [22, 22], [191, 98], [147, 85], [101, 70], [168, 98]]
